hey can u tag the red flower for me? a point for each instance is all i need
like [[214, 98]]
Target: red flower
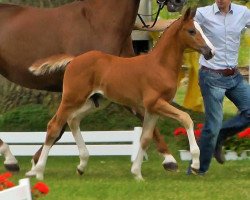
[[197, 133], [244, 134], [5, 176], [41, 187], [199, 126], [180, 131], [2, 179], [8, 184]]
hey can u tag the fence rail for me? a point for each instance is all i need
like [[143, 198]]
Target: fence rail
[[99, 143]]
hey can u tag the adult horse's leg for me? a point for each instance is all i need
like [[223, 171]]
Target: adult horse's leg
[[10, 162]]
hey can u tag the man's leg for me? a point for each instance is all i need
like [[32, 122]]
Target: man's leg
[[213, 94], [240, 96]]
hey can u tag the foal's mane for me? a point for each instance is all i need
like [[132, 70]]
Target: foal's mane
[[169, 30]]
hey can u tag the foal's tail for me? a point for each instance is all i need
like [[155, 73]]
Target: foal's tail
[[51, 64]]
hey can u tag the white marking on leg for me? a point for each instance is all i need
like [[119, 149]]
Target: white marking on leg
[[83, 151], [9, 158], [194, 149], [168, 159], [38, 170], [136, 167], [147, 135]]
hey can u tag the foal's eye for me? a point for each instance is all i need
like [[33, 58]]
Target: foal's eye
[[192, 31]]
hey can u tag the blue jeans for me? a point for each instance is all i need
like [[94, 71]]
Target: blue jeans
[[214, 87]]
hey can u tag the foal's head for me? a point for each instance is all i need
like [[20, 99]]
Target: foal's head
[[193, 37]]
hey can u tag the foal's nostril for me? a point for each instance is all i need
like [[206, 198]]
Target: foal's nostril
[[207, 52]]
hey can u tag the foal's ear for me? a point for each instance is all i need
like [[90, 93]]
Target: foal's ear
[[189, 14], [193, 13]]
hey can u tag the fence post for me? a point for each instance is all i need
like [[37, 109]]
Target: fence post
[[26, 182]]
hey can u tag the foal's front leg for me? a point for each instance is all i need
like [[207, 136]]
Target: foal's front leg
[[165, 109], [147, 135], [169, 163]]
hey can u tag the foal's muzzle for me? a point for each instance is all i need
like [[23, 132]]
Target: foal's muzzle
[[207, 52]]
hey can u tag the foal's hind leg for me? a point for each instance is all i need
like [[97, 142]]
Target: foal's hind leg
[[53, 130], [169, 162], [74, 124], [10, 162], [38, 153], [163, 108]]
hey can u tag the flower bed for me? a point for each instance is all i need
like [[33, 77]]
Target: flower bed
[[237, 147], [39, 190]]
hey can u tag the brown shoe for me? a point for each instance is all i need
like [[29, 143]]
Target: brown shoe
[[219, 154]]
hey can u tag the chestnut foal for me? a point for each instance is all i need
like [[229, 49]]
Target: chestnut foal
[[146, 83], [29, 35]]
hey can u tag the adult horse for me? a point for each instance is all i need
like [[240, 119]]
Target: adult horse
[[31, 34], [146, 83]]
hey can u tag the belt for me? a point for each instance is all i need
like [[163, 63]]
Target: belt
[[224, 72]]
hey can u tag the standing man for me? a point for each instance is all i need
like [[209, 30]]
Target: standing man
[[222, 23]]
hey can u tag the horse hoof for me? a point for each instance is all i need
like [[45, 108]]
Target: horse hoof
[[139, 178], [39, 176], [80, 172], [12, 167], [170, 166], [30, 174]]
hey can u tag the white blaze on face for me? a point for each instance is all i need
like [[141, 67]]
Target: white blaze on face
[[211, 46]]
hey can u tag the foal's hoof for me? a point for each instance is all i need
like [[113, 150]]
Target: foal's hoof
[[31, 173], [80, 172], [170, 166], [139, 178], [12, 167]]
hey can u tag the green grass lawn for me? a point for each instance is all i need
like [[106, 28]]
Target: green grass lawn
[[109, 178]]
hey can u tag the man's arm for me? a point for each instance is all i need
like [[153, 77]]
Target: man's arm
[[160, 25], [247, 17]]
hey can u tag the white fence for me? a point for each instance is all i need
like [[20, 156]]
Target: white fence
[[20, 192], [99, 143]]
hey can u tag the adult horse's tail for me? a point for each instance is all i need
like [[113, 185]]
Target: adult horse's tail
[[50, 64]]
